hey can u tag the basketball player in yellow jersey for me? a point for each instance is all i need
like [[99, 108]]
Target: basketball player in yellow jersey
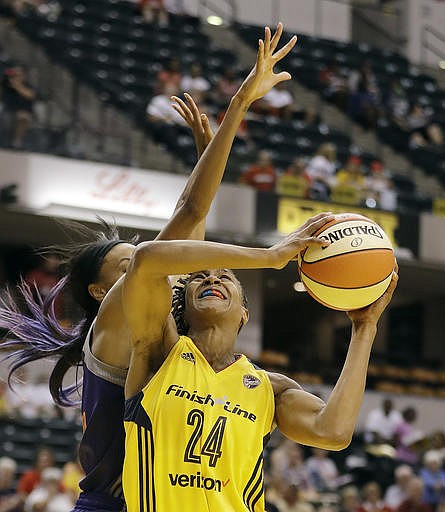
[[197, 413]]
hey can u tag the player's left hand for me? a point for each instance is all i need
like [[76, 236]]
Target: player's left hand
[[373, 312], [199, 123], [262, 77]]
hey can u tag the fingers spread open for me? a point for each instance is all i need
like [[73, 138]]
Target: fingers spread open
[[260, 56], [286, 49], [276, 37], [266, 40], [182, 109], [192, 105], [283, 76]]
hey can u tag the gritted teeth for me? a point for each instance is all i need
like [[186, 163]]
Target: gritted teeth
[[212, 292]]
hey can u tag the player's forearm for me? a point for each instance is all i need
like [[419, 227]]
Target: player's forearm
[[209, 170], [164, 258], [338, 418]]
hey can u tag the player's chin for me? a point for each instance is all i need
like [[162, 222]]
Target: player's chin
[[212, 304]]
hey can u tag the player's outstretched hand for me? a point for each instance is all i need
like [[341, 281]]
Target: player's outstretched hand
[[292, 244], [373, 312], [199, 123], [262, 77]]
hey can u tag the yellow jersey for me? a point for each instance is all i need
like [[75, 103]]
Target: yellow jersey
[[195, 437]]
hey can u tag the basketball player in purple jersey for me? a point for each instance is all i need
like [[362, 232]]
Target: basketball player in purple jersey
[[101, 341]]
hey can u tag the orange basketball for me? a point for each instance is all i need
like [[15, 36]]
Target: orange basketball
[[354, 270]]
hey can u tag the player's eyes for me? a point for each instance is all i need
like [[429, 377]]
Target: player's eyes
[[226, 276], [199, 276]]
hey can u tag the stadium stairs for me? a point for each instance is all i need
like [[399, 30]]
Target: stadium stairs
[[114, 58]]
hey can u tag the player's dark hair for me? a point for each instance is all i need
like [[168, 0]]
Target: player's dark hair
[[178, 303], [37, 333]]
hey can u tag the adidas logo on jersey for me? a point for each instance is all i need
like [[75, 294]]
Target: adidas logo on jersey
[[188, 356]]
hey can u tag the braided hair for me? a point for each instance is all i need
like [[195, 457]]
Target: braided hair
[[178, 302]]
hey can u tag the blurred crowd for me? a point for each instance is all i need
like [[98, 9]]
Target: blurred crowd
[[17, 101], [43, 487], [322, 178], [360, 95], [391, 466]]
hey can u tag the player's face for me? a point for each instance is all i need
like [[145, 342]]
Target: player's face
[[214, 291], [115, 264]]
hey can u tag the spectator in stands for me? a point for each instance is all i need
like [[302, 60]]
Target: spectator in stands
[[159, 109], [72, 474], [227, 86], [372, 499], [291, 500], [437, 442], [381, 423], [295, 181], [278, 102], [170, 77], [433, 477], [363, 104], [287, 467], [163, 119], [10, 499], [321, 171], [195, 84], [261, 174], [380, 188], [349, 499], [415, 501], [18, 97], [349, 183], [367, 73], [30, 479], [30, 398], [423, 131], [44, 276], [398, 492], [47, 497], [154, 11], [407, 436], [322, 470], [334, 85], [396, 102]]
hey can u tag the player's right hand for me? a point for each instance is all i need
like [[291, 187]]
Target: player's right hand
[[291, 245]]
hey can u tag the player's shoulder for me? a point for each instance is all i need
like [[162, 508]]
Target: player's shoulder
[[281, 383]]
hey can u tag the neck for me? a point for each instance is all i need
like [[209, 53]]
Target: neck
[[216, 345]]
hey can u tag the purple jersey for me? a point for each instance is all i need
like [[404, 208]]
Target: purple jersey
[[101, 450]]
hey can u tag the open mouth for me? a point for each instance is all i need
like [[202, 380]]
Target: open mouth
[[212, 292]]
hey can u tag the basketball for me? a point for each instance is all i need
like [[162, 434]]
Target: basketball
[[354, 270]]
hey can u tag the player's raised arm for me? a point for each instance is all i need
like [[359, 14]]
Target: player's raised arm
[[305, 418], [195, 201], [147, 292]]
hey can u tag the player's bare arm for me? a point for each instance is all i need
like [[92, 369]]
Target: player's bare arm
[[147, 292], [304, 417], [203, 184], [194, 203]]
